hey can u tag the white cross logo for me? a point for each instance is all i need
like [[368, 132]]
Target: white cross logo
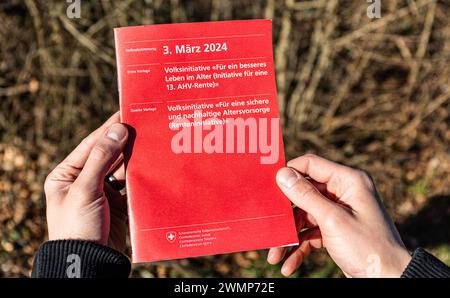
[[171, 236]]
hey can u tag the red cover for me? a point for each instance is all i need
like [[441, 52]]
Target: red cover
[[201, 104]]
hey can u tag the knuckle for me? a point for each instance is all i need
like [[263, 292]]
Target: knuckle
[[86, 142], [335, 219], [365, 179], [310, 156], [102, 151], [49, 182], [77, 190], [304, 189], [89, 139]]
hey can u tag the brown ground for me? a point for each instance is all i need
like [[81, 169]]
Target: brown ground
[[374, 94]]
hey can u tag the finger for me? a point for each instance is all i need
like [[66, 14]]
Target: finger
[[309, 240], [117, 202], [276, 254], [115, 178], [115, 198], [303, 220], [102, 156], [303, 194], [321, 187], [119, 171], [322, 171], [77, 158]]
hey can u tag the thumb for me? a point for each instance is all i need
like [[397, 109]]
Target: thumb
[[304, 195], [102, 156]]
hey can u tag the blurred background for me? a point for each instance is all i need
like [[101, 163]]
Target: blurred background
[[373, 93]]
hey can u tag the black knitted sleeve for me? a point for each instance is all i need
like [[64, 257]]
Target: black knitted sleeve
[[425, 265], [76, 258]]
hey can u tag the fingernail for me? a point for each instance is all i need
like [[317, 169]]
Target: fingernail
[[270, 256], [285, 270], [287, 177], [116, 132]]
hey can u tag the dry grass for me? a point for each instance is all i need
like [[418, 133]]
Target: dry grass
[[374, 94]]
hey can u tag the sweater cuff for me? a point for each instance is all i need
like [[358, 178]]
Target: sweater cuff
[[425, 265], [77, 258]]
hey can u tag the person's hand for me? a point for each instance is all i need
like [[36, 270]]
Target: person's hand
[[80, 205], [337, 207]]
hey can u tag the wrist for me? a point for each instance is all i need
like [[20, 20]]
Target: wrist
[[397, 263]]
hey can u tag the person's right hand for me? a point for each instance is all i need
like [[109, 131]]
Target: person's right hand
[[337, 207]]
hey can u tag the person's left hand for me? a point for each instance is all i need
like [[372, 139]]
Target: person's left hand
[[80, 205]]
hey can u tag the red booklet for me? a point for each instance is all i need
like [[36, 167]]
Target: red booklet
[[201, 104]]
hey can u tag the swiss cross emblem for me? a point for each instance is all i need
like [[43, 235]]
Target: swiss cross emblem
[[171, 236]]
